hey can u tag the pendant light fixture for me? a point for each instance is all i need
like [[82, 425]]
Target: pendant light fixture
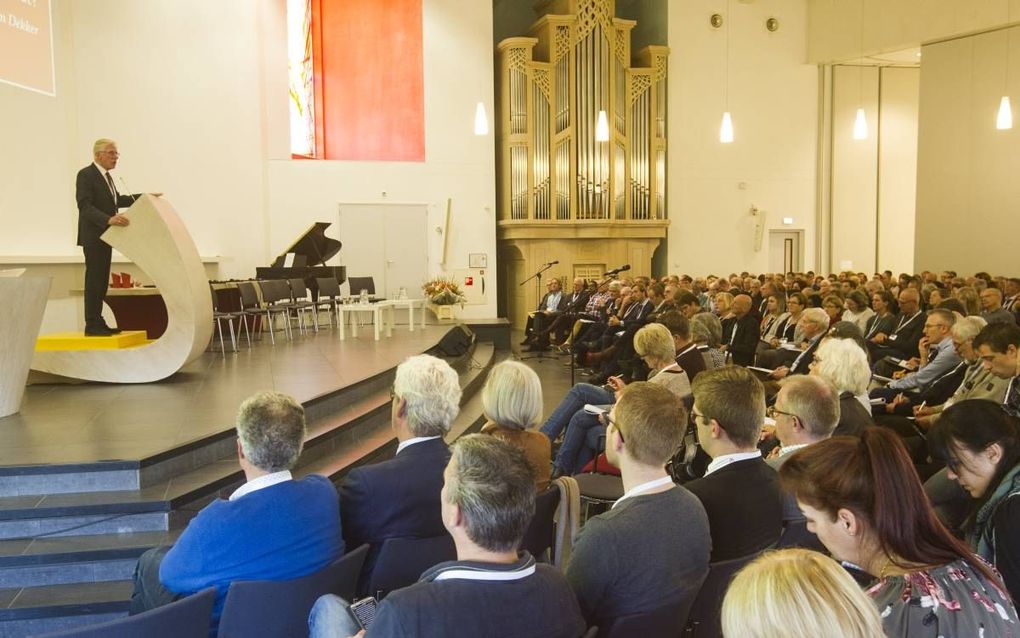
[[1004, 118], [726, 128], [861, 120], [481, 120]]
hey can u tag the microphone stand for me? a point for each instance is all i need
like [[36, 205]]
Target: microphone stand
[[538, 296]]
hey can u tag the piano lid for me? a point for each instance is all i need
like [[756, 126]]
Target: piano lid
[[313, 245]]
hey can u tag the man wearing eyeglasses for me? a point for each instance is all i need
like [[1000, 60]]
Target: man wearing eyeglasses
[[938, 358], [98, 203], [740, 492], [652, 548]]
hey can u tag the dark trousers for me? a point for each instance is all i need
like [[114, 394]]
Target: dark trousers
[[149, 593], [97, 278]]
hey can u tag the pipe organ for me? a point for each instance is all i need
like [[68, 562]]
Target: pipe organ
[[565, 194], [552, 88]]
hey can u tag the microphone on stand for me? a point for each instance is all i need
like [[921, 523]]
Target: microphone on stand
[[617, 271], [552, 263], [134, 198]]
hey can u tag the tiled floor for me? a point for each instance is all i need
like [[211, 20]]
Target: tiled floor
[[92, 422]]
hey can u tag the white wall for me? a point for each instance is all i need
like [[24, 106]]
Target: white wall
[[872, 202], [195, 94], [968, 194], [773, 97], [893, 25]]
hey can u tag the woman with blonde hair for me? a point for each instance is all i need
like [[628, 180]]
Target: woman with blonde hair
[[970, 300], [512, 404], [797, 592]]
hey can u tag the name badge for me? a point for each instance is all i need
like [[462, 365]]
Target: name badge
[[892, 337]]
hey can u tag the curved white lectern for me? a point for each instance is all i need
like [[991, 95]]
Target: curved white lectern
[[22, 301], [158, 243]]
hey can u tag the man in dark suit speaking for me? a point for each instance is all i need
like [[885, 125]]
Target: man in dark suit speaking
[[98, 202]]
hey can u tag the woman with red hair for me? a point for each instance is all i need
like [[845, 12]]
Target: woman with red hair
[[873, 513]]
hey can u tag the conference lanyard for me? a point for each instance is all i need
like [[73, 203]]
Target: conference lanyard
[[645, 487]]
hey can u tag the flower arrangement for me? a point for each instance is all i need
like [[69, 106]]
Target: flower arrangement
[[443, 292]]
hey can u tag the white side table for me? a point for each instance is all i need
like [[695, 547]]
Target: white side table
[[410, 304], [378, 312]]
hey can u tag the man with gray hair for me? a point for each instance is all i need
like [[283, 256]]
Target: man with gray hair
[[806, 411], [98, 203], [399, 498], [271, 528], [486, 504], [812, 324]]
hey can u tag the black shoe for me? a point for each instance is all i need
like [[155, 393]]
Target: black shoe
[[113, 331], [98, 331]]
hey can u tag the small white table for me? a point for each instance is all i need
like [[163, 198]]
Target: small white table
[[410, 304], [379, 322]]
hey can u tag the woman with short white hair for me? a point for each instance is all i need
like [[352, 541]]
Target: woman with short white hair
[[844, 364], [512, 404]]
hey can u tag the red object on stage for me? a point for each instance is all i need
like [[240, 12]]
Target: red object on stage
[[115, 280], [369, 80]]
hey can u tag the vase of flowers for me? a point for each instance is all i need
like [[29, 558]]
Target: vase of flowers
[[443, 294]]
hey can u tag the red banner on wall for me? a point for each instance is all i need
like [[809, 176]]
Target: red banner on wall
[[370, 101]]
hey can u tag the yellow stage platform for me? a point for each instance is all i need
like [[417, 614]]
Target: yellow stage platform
[[78, 341]]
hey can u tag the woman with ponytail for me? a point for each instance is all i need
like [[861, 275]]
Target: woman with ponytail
[[980, 445], [873, 513]]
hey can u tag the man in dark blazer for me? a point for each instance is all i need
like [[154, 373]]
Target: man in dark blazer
[[399, 498], [813, 324], [741, 337], [740, 492], [552, 305], [902, 341], [98, 202]]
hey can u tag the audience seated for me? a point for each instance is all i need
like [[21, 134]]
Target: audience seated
[[773, 354], [980, 445], [550, 307], [857, 309], [560, 324], [997, 346], [813, 324], [652, 548], [806, 411], [271, 528], [907, 330], [863, 499], [884, 305], [991, 307], [512, 404], [486, 504], [797, 592], [740, 336], [969, 381], [688, 357], [580, 444], [844, 364], [706, 331], [937, 359], [740, 492], [399, 498]]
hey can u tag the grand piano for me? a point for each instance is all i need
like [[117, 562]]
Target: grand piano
[[311, 252]]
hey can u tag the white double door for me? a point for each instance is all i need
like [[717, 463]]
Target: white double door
[[387, 242]]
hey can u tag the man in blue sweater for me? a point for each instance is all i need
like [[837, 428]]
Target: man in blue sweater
[[271, 528]]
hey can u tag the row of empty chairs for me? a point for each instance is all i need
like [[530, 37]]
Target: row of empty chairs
[[275, 299]]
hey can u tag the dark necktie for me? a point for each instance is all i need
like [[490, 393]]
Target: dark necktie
[[113, 189]]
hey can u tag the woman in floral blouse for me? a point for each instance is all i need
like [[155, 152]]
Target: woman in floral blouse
[[873, 514]]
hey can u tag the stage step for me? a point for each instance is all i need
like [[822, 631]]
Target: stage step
[[87, 572], [31, 611], [322, 412], [75, 559]]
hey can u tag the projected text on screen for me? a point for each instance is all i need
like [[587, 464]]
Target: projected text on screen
[[26, 45]]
